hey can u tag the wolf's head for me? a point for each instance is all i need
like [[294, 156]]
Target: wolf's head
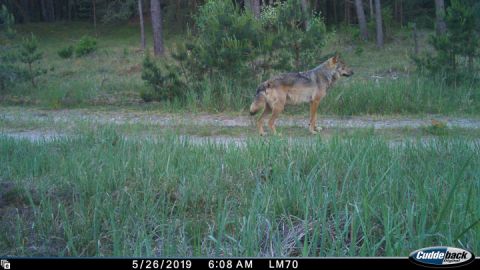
[[340, 67]]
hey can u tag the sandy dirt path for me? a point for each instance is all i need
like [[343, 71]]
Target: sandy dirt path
[[126, 117], [202, 119]]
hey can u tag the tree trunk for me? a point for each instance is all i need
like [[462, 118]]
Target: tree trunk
[[441, 26], [305, 5], [247, 5], [75, 10], [193, 6], [395, 10], [175, 13], [361, 19], [23, 13], [372, 14], [94, 7], [322, 9], [69, 10], [156, 14], [62, 7], [51, 10], [347, 12], [255, 5], [398, 11], [58, 7], [335, 17], [142, 29], [305, 10], [378, 16], [44, 10], [401, 12], [415, 39]]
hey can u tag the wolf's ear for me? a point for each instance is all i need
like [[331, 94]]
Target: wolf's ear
[[333, 60], [336, 56]]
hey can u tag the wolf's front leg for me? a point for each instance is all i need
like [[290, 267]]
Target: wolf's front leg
[[265, 112], [313, 117]]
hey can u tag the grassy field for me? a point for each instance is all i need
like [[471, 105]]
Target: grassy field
[[385, 81], [111, 75], [128, 178], [99, 194]]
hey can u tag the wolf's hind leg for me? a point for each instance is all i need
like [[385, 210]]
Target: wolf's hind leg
[[275, 113]]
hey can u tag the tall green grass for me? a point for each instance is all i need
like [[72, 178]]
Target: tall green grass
[[99, 194], [410, 95], [355, 96]]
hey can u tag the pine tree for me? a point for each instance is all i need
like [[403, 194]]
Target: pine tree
[[164, 80], [8, 70], [29, 54], [457, 48], [462, 33], [292, 41]]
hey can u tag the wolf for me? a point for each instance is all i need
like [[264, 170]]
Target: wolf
[[295, 88]]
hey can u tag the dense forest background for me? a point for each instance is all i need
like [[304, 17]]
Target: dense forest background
[[178, 12]]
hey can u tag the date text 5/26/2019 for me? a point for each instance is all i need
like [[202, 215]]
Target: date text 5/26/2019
[[161, 264]]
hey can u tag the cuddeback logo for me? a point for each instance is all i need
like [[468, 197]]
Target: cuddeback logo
[[441, 257]]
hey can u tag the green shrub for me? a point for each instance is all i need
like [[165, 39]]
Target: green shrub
[[66, 52], [147, 95], [229, 42], [164, 80], [85, 45]]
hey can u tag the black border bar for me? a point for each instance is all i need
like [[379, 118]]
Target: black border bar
[[20, 263]]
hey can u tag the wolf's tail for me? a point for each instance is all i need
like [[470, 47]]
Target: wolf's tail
[[259, 100]]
